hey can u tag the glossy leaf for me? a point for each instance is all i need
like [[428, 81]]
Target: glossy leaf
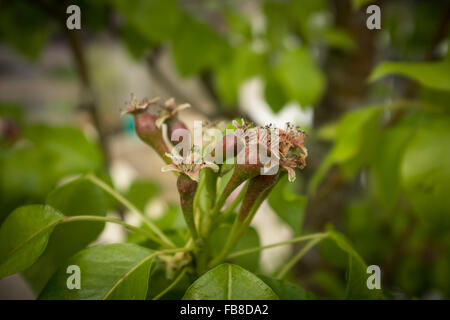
[[229, 282], [159, 281], [113, 271], [78, 197], [24, 235], [286, 290]]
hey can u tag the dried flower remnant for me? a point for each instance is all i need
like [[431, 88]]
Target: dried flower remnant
[[293, 152], [145, 125], [169, 111], [189, 165]]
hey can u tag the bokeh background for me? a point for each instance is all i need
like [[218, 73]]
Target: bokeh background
[[378, 131]]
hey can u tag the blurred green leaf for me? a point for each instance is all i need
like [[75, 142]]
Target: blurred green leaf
[[274, 94], [354, 142], [108, 272], [435, 75], [24, 36], [43, 156], [229, 282], [357, 271], [242, 64], [300, 77], [141, 192], [288, 205], [192, 57], [136, 43], [24, 235], [155, 19], [385, 166], [425, 172], [338, 38], [357, 4]]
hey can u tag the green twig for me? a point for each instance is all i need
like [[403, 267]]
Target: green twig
[[297, 257], [229, 210], [177, 279], [112, 220], [163, 240], [290, 241]]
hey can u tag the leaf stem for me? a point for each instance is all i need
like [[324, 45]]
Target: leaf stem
[[164, 240], [177, 279], [297, 257], [273, 245], [112, 220], [229, 210]]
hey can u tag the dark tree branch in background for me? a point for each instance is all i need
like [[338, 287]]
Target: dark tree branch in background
[[169, 86], [88, 100], [205, 80], [430, 54], [89, 103]]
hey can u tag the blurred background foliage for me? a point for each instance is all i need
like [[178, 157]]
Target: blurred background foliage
[[376, 104]]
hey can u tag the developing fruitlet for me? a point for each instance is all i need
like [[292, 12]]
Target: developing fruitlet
[[173, 126], [145, 126]]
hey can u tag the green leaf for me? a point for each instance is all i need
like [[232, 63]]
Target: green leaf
[[425, 172], [354, 142], [300, 77], [159, 281], [78, 197], [242, 64], [155, 19], [24, 236], [249, 240], [229, 282], [112, 272], [274, 94], [24, 36], [357, 271], [435, 75], [141, 192], [286, 290], [46, 155], [136, 43], [192, 57], [288, 205], [357, 4], [385, 166], [338, 38]]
